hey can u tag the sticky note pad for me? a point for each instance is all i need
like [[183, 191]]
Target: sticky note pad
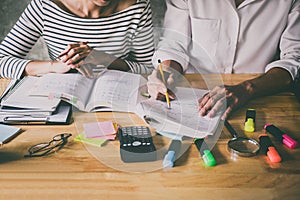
[[99, 129], [106, 137], [91, 141]]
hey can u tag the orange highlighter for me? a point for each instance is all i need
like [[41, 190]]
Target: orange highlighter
[[268, 148]]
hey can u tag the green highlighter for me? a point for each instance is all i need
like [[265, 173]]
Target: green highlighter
[[205, 153]]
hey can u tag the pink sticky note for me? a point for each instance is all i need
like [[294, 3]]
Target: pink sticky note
[[99, 129], [107, 137]]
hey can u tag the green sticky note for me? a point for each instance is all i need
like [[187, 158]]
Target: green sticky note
[[91, 141]]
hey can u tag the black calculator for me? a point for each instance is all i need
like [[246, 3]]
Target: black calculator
[[136, 144]]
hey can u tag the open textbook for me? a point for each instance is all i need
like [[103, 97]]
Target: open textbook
[[183, 117], [111, 90]]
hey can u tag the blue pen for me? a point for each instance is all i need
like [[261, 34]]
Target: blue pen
[[172, 154]]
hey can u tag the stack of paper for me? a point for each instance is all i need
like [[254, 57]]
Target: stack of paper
[[16, 100]]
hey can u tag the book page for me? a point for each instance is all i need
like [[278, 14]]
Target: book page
[[183, 117], [73, 88], [115, 91]]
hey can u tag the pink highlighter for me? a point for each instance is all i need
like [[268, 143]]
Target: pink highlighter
[[280, 135]]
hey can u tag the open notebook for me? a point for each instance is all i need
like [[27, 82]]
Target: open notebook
[[183, 117], [111, 90]]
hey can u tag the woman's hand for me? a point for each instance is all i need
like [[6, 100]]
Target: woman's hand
[[156, 87], [59, 67], [224, 98], [74, 54]]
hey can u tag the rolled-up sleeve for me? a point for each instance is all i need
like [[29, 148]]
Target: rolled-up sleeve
[[19, 41], [290, 44], [174, 43]]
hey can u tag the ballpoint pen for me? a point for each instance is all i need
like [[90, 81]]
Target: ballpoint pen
[[164, 81], [268, 148], [205, 153], [172, 154], [280, 135], [25, 120]]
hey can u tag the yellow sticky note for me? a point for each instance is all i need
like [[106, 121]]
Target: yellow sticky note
[[91, 141]]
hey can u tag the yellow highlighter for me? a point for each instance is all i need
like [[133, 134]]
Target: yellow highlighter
[[164, 81], [250, 120]]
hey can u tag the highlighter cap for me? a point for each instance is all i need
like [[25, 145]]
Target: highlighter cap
[[208, 158], [289, 142], [273, 155], [249, 125], [169, 159]]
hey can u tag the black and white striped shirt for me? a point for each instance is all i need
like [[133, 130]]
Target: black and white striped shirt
[[127, 34]]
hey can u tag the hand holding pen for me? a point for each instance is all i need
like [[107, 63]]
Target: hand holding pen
[[157, 87], [164, 81]]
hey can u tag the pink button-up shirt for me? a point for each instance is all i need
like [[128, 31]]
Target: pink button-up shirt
[[215, 36]]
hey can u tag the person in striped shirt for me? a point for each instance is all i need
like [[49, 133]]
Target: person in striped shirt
[[120, 32]]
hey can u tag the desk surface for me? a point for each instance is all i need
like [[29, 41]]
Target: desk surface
[[77, 172]]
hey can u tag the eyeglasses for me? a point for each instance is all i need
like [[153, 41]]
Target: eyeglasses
[[43, 149]]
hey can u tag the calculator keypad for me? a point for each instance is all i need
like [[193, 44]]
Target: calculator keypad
[[136, 144]]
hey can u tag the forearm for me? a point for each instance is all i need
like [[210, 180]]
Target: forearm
[[119, 64], [173, 64], [274, 81], [35, 68]]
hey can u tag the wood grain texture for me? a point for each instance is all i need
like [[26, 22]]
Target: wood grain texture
[[77, 172]]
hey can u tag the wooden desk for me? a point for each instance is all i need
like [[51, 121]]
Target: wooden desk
[[75, 173]]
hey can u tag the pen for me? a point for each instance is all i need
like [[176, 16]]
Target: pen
[[205, 153], [164, 81], [280, 135], [269, 149], [172, 154]]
